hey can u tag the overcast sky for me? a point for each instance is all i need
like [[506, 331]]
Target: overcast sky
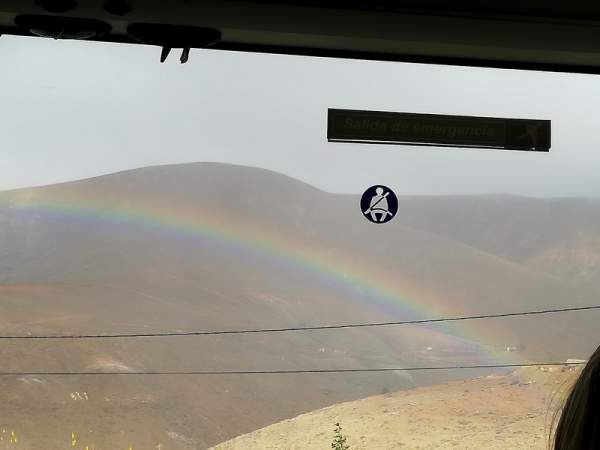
[[72, 110]]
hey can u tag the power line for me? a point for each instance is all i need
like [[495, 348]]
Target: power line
[[295, 371], [307, 328]]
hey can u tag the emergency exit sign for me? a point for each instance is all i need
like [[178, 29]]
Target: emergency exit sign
[[380, 127]]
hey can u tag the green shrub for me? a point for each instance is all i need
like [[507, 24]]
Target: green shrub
[[339, 440]]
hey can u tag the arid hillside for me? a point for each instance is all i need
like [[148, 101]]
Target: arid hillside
[[558, 236], [497, 412], [209, 247]]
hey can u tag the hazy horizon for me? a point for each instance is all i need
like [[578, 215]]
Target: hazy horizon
[[75, 110], [490, 194]]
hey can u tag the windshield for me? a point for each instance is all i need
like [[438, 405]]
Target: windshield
[[187, 263]]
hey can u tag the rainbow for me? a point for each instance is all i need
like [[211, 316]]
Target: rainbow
[[384, 289]]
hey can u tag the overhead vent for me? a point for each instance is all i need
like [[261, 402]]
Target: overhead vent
[[57, 6], [58, 27], [117, 7], [174, 36]]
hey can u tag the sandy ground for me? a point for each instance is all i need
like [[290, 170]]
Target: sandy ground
[[511, 411]]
